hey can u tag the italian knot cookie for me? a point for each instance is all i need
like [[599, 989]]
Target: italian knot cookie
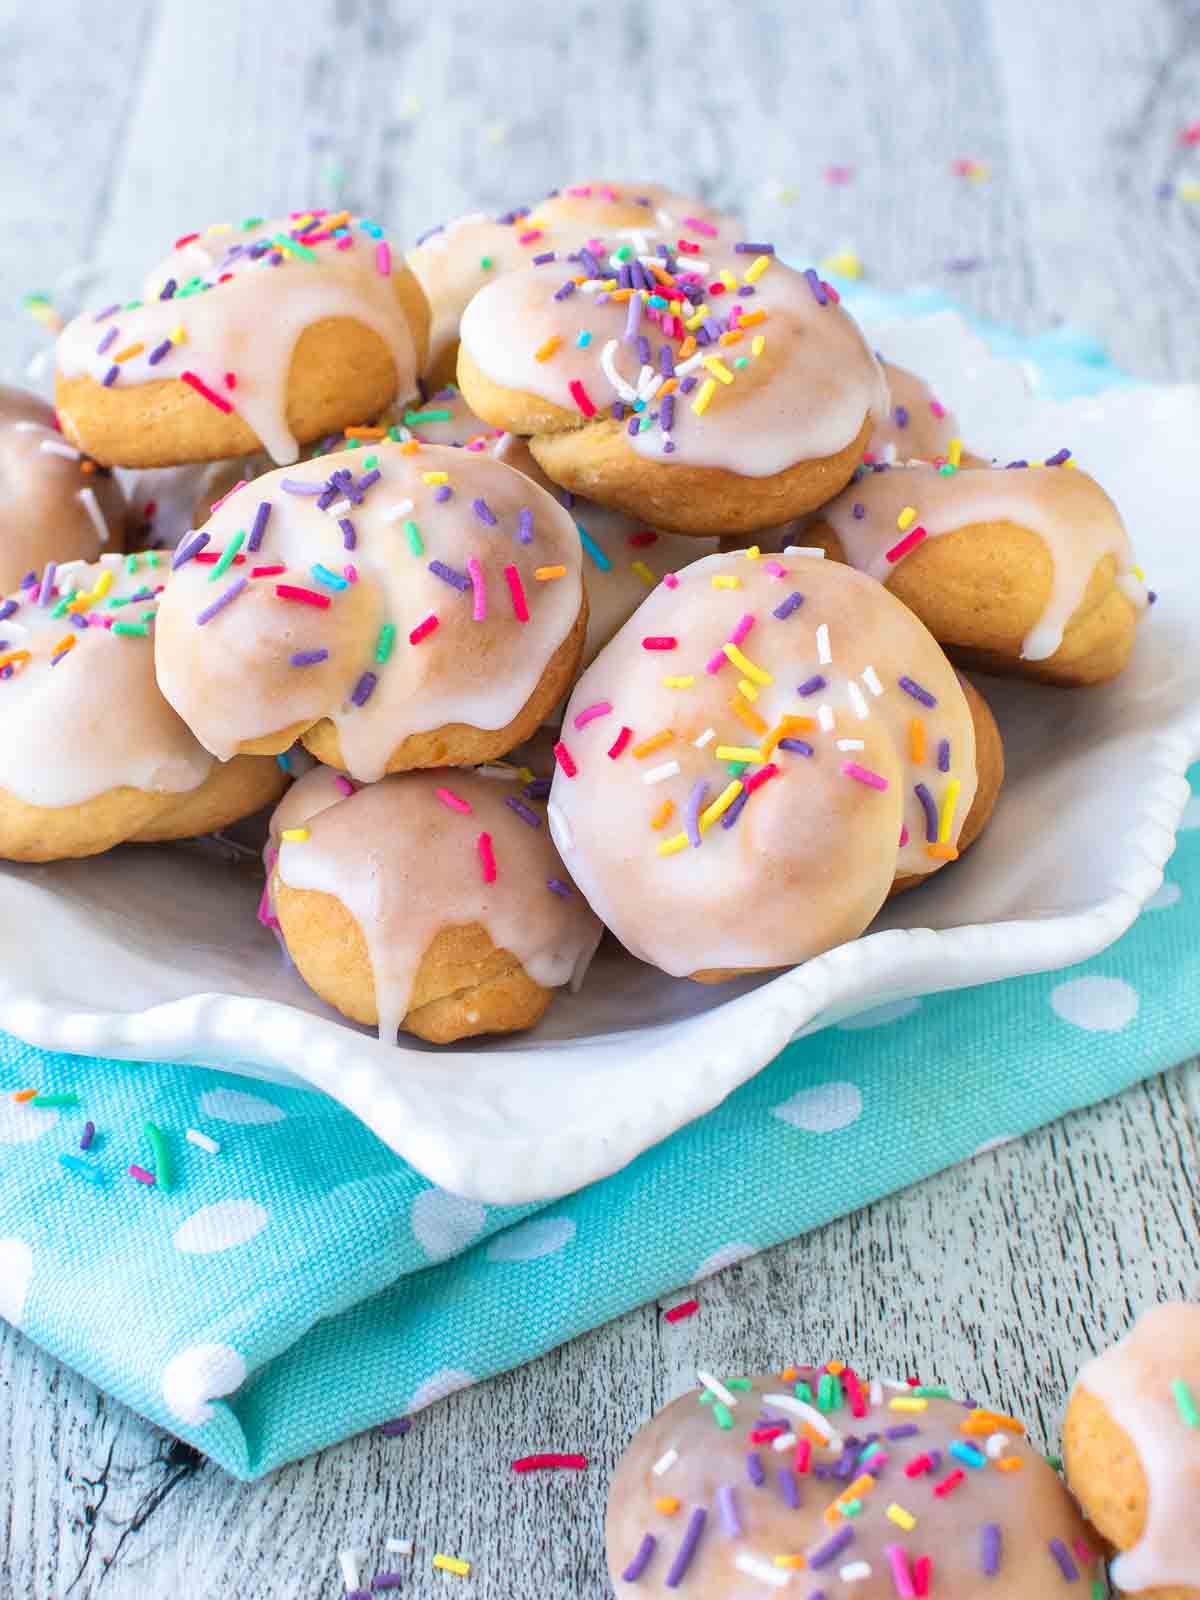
[[57, 504], [761, 754], [825, 1485], [265, 334], [1131, 1445], [455, 259], [93, 754], [403, 606], [1024, 568], [431, 901], [706, 391]]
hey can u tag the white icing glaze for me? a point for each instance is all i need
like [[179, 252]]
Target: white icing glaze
[[916, 425], [95, 721], [53, 505], [804, 397], [1133, 1383], [249, 323], [814, 852], [231, 679], [1068, 510], [407, 866]]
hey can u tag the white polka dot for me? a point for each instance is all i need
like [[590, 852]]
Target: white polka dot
[[201, 1373], [1191, 813], [880, 1016], [235, 1105], [540, 1236], [1166, 895], [16, 1274], [220, 1226], [445, 1223], [1101, 1005], [822, 1109], [993, 1144], [727, 1256], [448, 1381], [20, 1122]]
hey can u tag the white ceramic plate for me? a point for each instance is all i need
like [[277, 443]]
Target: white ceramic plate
[[155, 953]]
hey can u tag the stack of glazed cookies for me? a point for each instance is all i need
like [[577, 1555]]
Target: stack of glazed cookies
[[606, 466]]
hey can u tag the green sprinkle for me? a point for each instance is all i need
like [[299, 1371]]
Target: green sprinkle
[[253, 222], [723, 1414], [924, 1392], [735, 770], [370, 461], [738, 1383], [67, 1097], [131, 563], [227, 555], [624, 253], [742, 361], [387, 637], [802, 1390], [413, 535], [60, 609], [294, 245], [131, 630], [1184, 1403], [162, 1162], [486, 263], [395, 435], [154, 559], [1055, 1462], [35, 300], [117, 601], [1099, 1589], [850, 1508], [353, 444], [871, 1450], [707, 1397], [824, 1389], [947, 469], [132, 306]]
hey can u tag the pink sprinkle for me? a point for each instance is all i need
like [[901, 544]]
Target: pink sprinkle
[[198, 384], [901, 1572], [217, 504], [803, 1455], [475, 572], [661, 641], [671, 580], [350, 574], [343, 785], [231, 380], [565, 760], [345, 241], [838, 175], [268, 572], [601, 708], [706, 228], [1081, 1547], [909, 542], [851, 769], [141, 1174], [686, 1308], [619, 743], [520, 609], [487, 858], [775, 569], [383, 258], [937, 408], [264, 899], [423, 629], [742, 629], [718, 661], [903, 835], [764, 775], [582, 398], [529, 236], [455, 802]]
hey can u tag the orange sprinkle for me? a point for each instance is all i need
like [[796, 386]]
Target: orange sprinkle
[[655, 742], [784, 729], [731, 337], [14, 658], [661, 274], [751, 319], [87, 465], [24, 1094], [621, 295], [409, 447], [863, 1484], [365, 433], [941, 852], [982, 1422], [836, 1368], [668, 388], [667, 1504], [129, 352], [687, 348], [546, 350], [813, 1437], [329, 223], [790, 1374], [917, 747], [64, 644], [663, 815], [744, 713], [544, 574], [1009, 1464], [796, 1563]]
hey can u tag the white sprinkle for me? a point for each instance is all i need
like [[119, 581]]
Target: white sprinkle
[[625, 391], [784, 1442], [855, 1572], [871, 678], [797, 1408], [194, 1136], [648, 389], [349, 1561], [996, 1446], [875, 1394], [399, 1547], [682, 368], [763, 1571], [665, 1463], [87, 498], [804, 550], [861, 709], [715, 1386], [32, 427], [52, 447], [641, 243], [706, 737], [851, 744], [499, 773], [824, 654], [665, 219], [896, 1383], [339, 508], [402, 508], [657, 774], [825, 717]]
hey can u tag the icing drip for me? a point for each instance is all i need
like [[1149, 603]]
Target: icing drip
[[916, 426], [242, 301], [812, 856], [405, 864], [83, 715], [802, 394], [350, 636], [1133, 1382], [1069, 511]]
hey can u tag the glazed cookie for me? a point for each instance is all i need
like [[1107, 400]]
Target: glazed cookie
[[431, 901], [56, 502], [93, 754], [403, 606], [763, 752], [715, 394], [269, 334], [454, 260], [916, 425], [1131, 1444], [835, 1488], [1021, 569]]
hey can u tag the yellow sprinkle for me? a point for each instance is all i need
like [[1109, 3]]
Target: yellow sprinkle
[[1139, 574], [545, 351], [644, 573], [655, 742], [435, 477], [783, 729], [544, 574], [795, 1562], [461, 1569], [294, 835], [698, 321], [178, 335], [902, 1519], [743, 664], [726, 581], [906, 518], [954, 452], [727, 278], [720, 805], [717, 367], [753, 553], [222, 227], [659, 820], [707, 389], [756, 269], [758, 344], [746, 688], [901, 1403], [1189, 190], [949, 803], [845, 263], [673, 845], [735, 752], [679, 683]]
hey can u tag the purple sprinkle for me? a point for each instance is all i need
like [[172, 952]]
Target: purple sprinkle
[[7, 609], [386, 1580], [785, 607], [364, 688], [683, 1556], [812, 685], [565, 290], [368, 480], [618, 411], [46, 592], [349, 537], [989, 1553], [935, 1456], [695, 805], [524, 525], [110, 377], [667, 415], [859, 510], [634, 426], [669, 444], [1013, 464], [904, 1430], [558, 887], [641, 1559], [168, 289], [484, 512], [539, 789], [221, 601], [735, 810], [819, 292], [799, 747], [645, 354], [1058, 458], [787, 1488], [590, 265], [688, 384], [930, 810], [442, 493], [106, 342], [546, 255], [912, 687], [625, 276], [831, 1549], [964, 263], [633, 318], [309, 658], [159, 351], [727, 1506], [260, 525], [901, 415], [523, 811], [29, 581], [89, 1133], [107, 312], [754, 1469], [300, 486], [396, 1428], [747, 247], [943, 755], [188, 549], [666, 361], [1063, 1556], [438, 227], [448, 575]]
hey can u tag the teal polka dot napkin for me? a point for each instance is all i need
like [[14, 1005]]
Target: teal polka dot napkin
[[297, 1282]]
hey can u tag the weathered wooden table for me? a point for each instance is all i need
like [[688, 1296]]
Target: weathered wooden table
[[125, 125]]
